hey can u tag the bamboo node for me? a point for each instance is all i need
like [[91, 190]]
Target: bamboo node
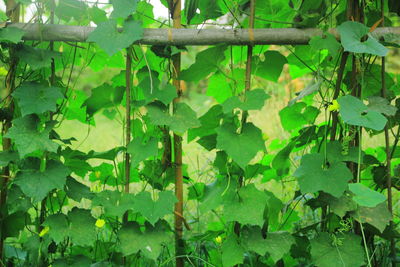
[[170, 39], [251, 36]]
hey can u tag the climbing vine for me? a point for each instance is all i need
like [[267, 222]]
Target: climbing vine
[[201, 174]]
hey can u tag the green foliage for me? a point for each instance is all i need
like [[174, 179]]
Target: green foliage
[[154, 210], [183, 118], [351, 34], [297, 115], [310, 193], [233, 144], [29, 138], [246, 207], [366, 197], [149, 241], [355, 112], [37, 184], [107, 36], [207, 61], [13, 35], [42, 98], [337, 250], [123, 8], [313, 175]]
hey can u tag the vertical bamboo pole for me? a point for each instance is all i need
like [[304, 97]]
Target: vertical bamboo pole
[[247, 85], [175, 10], [387, 149], [13, 12], [128, 78]]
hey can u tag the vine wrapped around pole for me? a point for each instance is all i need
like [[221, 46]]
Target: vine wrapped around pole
[[175, 9]]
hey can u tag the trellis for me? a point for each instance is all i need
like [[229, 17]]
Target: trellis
[[193, 37], [268, 36]]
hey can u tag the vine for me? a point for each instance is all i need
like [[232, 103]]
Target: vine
[[117, 153]]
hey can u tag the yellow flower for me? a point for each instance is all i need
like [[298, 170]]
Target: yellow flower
[[218, 239], [100, 223], [335, 106], [95, 188], [97, 174], [44, 231]]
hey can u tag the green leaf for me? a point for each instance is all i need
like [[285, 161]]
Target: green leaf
[[58, 225], [219, 88], [253, 100], [6, 157], [82, 229], [156, 90], [277, 244], [297, 115], [97, 15], [14, 223], [381, 105], [17, 200], [28, 138], [213, 193], [271, 68], [123, 8], [183, 118], [365, 196], [241, 147], [378, 216], [141, 150], [75, 109], [76, 190], [328, 41], [41, 98], [207, 61], [114, 203], [344, 251], [313, 176], [11, 34], [37, 185], [154, 210], [36, 58], [342, 205], [190, 9], [67, 9], [107, 36], [150, 242], [209, 122], [102, 97], [281, 161], [310, 89], [336, 153], [351, 34], [247, 206], [232, 252], [355, 112]]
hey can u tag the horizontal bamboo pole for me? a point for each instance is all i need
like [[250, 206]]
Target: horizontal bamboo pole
[[278, 36]]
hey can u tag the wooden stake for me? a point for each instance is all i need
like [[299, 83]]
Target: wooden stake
[[388, 152], [175, 10]]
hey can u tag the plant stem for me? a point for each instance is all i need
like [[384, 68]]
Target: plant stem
[[13, 12]]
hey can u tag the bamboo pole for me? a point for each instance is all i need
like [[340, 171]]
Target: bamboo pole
[[178, 36], [128, 78], [387, 150], [247, 85], [175, 10]]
